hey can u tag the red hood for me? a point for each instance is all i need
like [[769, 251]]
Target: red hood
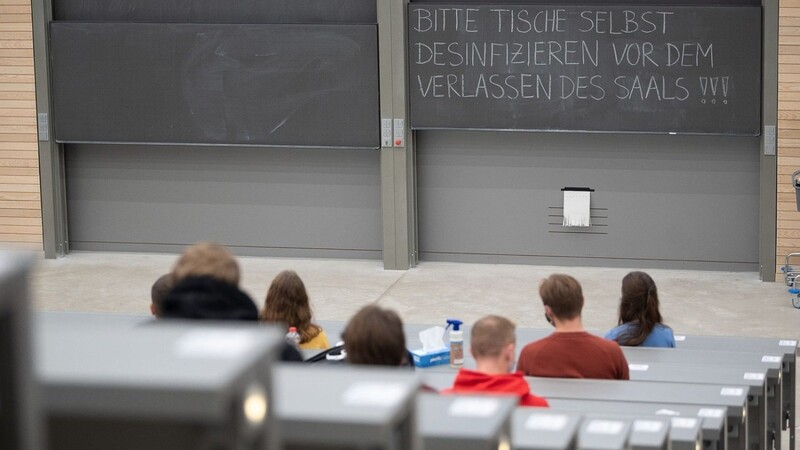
[[470, 381], [512, 383]]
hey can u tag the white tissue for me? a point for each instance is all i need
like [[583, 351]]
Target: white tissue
[[576, 209], [432, 339]]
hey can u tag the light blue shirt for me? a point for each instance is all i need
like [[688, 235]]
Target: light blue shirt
[[661, 336]]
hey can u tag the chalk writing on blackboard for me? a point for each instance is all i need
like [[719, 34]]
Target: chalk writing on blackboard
[[636, 59]]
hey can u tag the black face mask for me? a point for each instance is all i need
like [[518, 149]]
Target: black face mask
[[549, 320]]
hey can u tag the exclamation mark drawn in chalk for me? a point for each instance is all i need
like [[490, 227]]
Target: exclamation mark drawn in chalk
[[712, 85], [703, 88], [725, 90]]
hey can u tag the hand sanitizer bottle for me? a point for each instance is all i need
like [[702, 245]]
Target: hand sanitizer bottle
[[456, 343]]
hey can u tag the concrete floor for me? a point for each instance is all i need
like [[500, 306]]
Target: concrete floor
[[692, 302]]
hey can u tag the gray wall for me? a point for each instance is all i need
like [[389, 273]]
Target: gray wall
[[260, 201], [660, 201]]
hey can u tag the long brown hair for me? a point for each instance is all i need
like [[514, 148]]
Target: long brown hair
[[638, 307], [375, 336], [287, 303]]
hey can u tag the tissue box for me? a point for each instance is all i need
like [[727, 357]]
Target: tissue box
[[433, 358]]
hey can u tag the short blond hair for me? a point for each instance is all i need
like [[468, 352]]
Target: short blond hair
[[490, 334], [207, 259]]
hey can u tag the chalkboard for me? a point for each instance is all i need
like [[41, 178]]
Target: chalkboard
[[609, 2], [281, 85], [217, 11], [658, 69]]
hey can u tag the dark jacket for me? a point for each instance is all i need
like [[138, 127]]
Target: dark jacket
[[208, 298]]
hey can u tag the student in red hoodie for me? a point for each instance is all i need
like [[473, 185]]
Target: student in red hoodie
[[493, 345]]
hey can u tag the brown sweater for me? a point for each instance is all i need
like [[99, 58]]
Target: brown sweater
[[573, 355]]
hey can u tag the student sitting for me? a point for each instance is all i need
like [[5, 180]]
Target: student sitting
[[287, 304], [374, 336], [206, 279], [640, 322], [570, 352], [206, 286], [158, 292], [493, 345]]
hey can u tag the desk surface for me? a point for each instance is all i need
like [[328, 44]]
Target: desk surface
[[604, 434], [476, 418], [363, 395], [649, 432], [734, 397], [175, 369], [704, 357], [534, 429], [753, 377], [711, 418], [721, 345], [786, 347]]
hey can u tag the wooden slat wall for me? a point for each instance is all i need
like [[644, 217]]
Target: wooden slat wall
[[788, 231], [20, 200]]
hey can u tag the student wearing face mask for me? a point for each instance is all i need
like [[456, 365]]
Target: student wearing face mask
[[493, 345], [570, 352]]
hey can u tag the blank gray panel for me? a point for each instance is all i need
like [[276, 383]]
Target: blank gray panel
[[660, 201], [270, 201]]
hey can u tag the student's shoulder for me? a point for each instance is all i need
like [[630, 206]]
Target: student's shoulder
[[531, 354], [552, 337], [663, 335], [662, 329], [537, 345], [615, 332], [318, 342], [607, 345]]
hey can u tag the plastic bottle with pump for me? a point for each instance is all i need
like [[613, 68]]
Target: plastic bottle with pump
[[293, 337], [456, 343]]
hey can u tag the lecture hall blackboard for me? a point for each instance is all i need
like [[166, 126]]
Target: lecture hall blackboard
[[304, 85], [651, 69], [217, 11]]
